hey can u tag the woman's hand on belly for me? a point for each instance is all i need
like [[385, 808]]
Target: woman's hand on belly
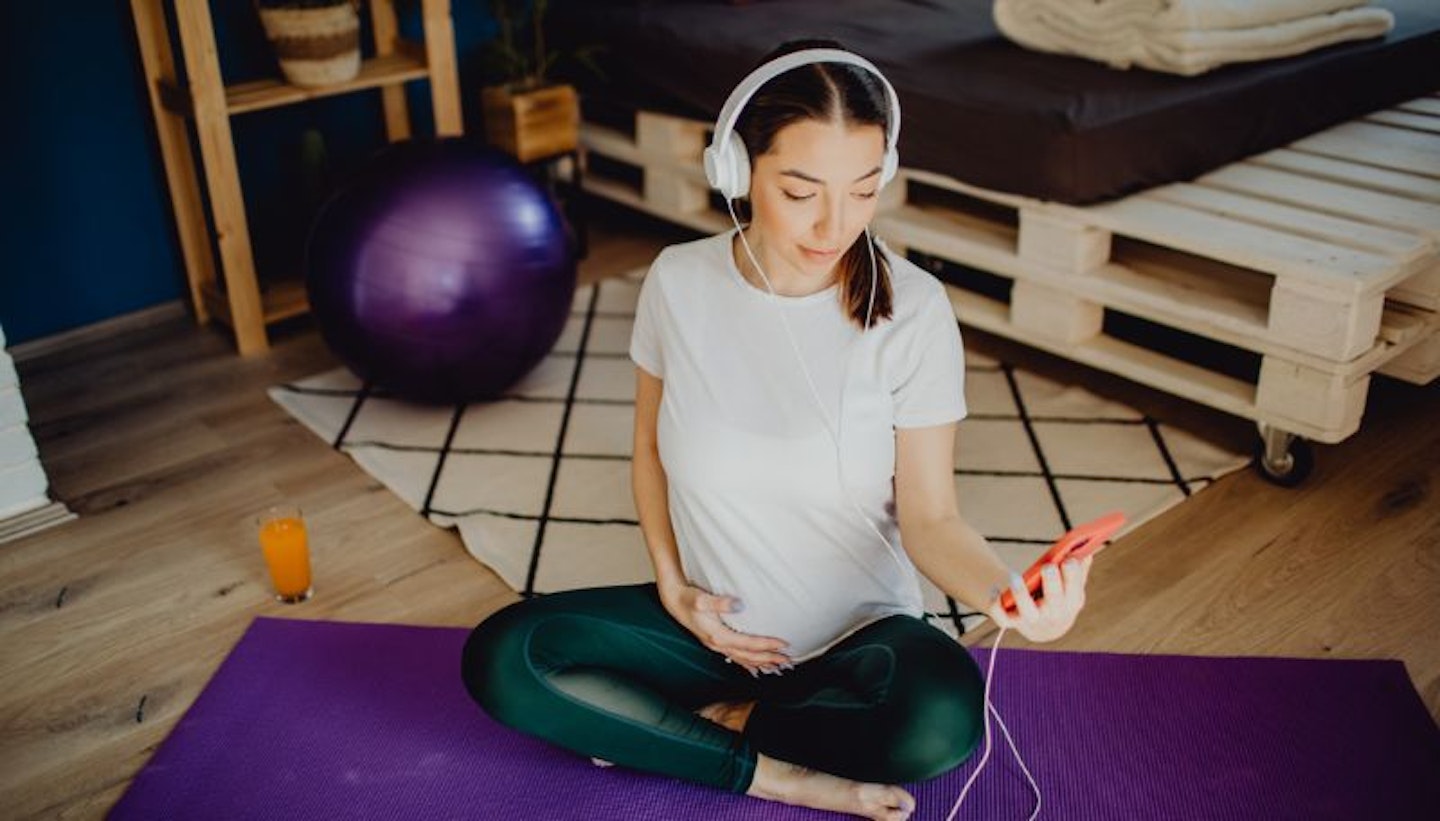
[[699, 612]]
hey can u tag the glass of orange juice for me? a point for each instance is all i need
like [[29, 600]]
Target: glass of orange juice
[[287, 554]]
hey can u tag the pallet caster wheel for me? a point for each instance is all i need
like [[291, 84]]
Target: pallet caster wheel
[[1283, 458]]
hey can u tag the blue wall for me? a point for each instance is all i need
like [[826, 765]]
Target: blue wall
[[85, 223], [84, 231]]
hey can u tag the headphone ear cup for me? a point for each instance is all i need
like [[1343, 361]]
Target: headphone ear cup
[[739, 165], [714, 174], [727, 167], [889, 166]]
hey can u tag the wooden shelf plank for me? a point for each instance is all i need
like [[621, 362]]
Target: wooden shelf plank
[[706, 221], [1407, 119], [1357, 175], [284, 299], [1323, 265], [1322, 196], [407, 63], [1399, 149], [1293, 218], [279, 300], [1424, 105], [1130, 361]]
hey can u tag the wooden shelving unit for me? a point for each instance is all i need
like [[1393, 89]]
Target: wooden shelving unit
[[234, 296]]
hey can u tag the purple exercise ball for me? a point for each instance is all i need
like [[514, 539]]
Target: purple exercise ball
[[442, 274]]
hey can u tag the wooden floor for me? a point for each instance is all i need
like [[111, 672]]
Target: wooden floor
[[166, 444]]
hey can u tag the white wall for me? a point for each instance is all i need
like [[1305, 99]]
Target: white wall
[[22, 480]]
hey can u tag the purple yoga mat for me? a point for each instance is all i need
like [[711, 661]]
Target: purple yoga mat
[[322, 720]]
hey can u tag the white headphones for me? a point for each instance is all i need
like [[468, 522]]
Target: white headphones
[[727, 163]]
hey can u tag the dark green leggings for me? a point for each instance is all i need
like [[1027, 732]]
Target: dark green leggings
[[607, 672]]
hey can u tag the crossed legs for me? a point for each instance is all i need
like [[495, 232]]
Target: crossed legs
[[606, 672]]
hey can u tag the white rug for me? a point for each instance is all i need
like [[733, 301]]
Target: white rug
[[538, 483]]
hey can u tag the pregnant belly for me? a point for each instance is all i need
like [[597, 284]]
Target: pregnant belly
[[814, 614]]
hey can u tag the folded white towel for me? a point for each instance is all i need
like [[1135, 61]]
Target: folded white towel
[[1194, 52], [1123, 33], [1207, 14]]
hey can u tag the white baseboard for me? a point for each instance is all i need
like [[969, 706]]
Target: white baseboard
[[33, 521]]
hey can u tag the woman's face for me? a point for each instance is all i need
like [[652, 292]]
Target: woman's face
[[814, 192]]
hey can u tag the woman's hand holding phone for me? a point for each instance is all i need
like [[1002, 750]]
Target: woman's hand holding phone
[[1051, 617], [1043, 603]]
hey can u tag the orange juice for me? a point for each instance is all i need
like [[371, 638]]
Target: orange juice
[[282, 539]]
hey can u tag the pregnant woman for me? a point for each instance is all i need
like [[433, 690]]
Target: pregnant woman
[[797, 393]]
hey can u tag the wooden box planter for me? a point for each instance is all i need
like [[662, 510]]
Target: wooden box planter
[[534, 124]]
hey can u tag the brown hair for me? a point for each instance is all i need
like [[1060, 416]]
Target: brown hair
[[825, 92]]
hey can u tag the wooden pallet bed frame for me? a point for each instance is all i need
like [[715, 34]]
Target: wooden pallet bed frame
[[1321, 260]]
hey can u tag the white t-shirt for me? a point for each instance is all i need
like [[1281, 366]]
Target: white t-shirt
[[758, 509]]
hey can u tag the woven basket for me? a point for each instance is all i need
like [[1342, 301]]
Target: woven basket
[[315, 46]]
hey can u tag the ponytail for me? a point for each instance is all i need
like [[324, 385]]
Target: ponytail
[[853, 274]]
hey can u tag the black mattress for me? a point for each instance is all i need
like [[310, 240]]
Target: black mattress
[[988, 112]]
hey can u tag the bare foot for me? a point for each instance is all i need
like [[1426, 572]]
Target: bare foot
[[792, 784], [731, 715]]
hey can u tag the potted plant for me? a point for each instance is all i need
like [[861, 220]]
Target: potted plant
[[527, 114], [316, 41]]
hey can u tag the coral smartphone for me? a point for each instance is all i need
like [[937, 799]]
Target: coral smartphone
[[1083, 540]]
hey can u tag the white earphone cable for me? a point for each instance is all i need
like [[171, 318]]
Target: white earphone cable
[[834, 429], [1035, 788], [985, 756]]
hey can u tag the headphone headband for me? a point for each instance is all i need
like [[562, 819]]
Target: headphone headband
[[725, 163]]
